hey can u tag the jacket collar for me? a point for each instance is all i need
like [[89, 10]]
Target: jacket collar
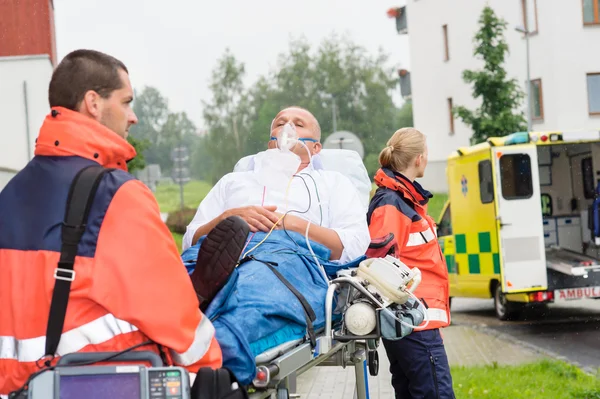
[[398, 182], [69, 133]]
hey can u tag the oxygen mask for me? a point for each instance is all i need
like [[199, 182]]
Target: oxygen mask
[[287, 137]]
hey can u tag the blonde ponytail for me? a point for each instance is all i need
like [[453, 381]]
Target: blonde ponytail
[[402, 148]]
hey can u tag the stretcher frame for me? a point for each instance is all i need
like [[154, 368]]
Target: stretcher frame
[[334, 347]]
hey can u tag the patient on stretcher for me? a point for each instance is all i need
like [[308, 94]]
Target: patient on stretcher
[[290, 190], [302, 221]]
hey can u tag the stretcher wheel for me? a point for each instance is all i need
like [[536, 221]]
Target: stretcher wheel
[[373, 358], [372, 344], [283, 393]]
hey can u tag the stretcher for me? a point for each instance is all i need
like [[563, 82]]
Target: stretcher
[[278, 367], [336, 345]]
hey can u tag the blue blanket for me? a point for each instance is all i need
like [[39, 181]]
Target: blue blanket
[[255, 311]]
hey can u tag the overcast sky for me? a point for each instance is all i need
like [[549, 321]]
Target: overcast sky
[[173, 45]]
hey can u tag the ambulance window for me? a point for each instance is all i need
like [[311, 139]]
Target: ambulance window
[[587, 174], [486, 184], [515, 173], [445, 226]]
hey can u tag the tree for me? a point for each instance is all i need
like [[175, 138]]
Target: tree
[[500, 96], [158, 130], [139, 162], [226, 115], [338, 71]]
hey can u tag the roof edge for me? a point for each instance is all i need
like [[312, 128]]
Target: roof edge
[[25, 57]]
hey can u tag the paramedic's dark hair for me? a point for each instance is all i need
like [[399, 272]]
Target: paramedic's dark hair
[[81, 71]]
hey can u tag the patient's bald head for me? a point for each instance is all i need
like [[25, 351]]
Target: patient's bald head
[[301, 117], [307, 127]]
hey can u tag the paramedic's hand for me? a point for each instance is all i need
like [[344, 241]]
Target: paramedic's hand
[[259, 218]]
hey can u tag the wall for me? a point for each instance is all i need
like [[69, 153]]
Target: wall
[[28, 29], [435, 179], [36, 71], [561, 55]]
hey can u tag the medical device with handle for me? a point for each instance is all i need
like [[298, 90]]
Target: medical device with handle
[[124, 381], [391, 278]]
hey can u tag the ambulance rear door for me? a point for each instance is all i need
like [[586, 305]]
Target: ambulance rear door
[[519, 218]]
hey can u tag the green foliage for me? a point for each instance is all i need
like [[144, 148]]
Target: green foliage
[[139, 162], [540, 380], [239, 119], [405, 116], [500, 96], [160, 129], [371, 162], [227, 116]]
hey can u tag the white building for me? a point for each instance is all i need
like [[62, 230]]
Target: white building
[[24, 84], [564, 66]]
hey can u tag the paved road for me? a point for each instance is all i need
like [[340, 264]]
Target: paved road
[[570, 330]]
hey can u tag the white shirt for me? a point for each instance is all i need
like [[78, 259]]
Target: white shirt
[[342, 209]]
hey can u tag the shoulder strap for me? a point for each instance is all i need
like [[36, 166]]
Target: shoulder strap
[[309, 313], [81, 195]]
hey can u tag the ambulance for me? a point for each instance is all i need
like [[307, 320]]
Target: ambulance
[[522, 220]]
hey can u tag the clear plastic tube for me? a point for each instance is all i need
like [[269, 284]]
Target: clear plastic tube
[[308, 226], [321, 268]]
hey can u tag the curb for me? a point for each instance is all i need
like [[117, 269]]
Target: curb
[[545, 352]]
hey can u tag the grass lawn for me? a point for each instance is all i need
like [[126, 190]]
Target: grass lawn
[[436, 204], [194, 191], [178, 238], [541, 380]]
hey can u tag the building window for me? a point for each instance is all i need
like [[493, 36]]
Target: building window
[[590, 12], [593, 87], [530, 20], [486, 182], [451, 115], [515, 176], [537, 103], [446, 51]]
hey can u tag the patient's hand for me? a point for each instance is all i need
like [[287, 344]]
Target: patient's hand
[[259, 218]]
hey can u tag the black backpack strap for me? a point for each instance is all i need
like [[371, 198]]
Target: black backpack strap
[[81, 195]]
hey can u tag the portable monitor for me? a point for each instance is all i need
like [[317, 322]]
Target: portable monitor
[[115, 382]]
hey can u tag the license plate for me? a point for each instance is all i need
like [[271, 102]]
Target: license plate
[[572, 294]]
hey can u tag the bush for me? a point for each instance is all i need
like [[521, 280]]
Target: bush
[[179, 220]]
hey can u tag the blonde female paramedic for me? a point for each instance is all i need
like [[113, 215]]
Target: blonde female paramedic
[[418, 362]]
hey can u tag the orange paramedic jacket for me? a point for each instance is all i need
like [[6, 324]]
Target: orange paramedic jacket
[[400, 207], [130, 283]]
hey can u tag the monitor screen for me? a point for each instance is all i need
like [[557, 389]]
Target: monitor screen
[[114, 386]]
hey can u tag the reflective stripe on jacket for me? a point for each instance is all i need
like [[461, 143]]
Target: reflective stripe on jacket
[[130, 284], [400, 207]]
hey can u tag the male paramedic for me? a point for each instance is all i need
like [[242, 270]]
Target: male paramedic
[[129, 285], [284, 190]]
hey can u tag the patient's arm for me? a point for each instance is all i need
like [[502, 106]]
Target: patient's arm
[[259, 218], [212, 210], [322, 235]]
